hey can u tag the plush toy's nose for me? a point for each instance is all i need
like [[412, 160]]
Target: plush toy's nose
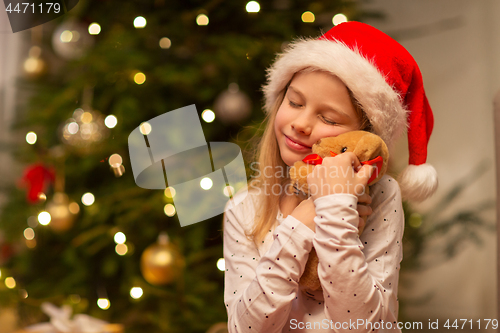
[[318, 142]]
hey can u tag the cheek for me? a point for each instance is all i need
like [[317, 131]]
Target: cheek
[[329, 131], [279, 121]]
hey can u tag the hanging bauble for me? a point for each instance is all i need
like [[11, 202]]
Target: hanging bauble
[[35, 65], [61, 212], [232, 105], [71, 40], [161, 263], [37, 177], [84, 130]]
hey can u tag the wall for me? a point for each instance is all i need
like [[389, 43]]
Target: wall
[[457, 46]]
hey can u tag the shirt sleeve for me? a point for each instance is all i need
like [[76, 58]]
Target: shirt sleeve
[[258, 291], [359, 275]]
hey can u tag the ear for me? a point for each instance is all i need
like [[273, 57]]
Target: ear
[[368, 147], [371, 146]]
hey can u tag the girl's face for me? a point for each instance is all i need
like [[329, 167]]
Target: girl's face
[[316, 105]]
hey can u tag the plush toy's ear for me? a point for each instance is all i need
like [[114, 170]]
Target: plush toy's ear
[[368, 148]]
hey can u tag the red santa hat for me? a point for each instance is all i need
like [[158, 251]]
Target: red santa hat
[[386, 81]]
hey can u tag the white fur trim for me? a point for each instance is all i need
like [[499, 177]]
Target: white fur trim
[[418, 182], [381, 103]]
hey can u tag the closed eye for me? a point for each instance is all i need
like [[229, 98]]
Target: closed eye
[[293, 105], [330, 122]]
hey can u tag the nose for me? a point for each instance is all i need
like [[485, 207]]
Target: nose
[[302, 124]]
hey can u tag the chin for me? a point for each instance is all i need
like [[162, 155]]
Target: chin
[[290, 158]]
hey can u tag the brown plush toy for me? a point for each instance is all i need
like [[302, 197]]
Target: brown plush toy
[[368, 147]]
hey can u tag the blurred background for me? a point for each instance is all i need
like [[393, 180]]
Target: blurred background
[[78, 233]]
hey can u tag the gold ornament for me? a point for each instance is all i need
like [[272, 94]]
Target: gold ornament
[[61, 212], [161, 263], [84, 130], [71, 40], [35, 66], [232, 105]]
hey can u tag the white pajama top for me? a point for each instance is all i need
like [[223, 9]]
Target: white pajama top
[[359, 275]]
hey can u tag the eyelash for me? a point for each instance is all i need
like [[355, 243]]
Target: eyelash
[[294, 105], [329, 122]]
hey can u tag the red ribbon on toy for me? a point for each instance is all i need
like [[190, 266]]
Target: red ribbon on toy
[[377, 162], [313, 159]]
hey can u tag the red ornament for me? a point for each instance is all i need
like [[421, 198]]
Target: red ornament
[[37, 177]]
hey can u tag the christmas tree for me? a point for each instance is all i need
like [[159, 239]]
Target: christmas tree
[[80, 231]]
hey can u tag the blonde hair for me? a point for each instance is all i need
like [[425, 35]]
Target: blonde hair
[[267, 155]]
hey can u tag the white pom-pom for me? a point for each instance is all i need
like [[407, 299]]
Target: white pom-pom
[[418, 182]]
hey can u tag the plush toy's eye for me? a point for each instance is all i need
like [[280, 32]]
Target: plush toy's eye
[[343, 150]]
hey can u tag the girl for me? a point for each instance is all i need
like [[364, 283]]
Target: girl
[[353, 77]]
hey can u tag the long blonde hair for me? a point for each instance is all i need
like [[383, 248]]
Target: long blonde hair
[[267, 155]]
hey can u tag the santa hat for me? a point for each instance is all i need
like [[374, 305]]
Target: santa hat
[[383, 77]]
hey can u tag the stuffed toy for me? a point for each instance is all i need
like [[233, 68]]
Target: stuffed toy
[[368, 147]]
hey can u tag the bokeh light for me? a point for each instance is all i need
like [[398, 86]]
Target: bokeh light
[[120, 237], [145, 128], [115, 160], [103, 303], [228, 191], [221, 264], [88, 199], [44, 218], [10, 282], [66, 36], [23, 293], [110, 121], [202, 19], [307, 17], [139, 78], [136, 292], [74, 208], [94, 28], [208, 115], [121, 249], [31, 138], [165, 43], [169, 210], [170, 192], [206, 183], [29, 233], [339, 18], [252, 7], [139, 22]]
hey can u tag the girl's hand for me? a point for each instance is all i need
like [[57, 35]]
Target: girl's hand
[[363, 209], [305, 213], [337, 175]]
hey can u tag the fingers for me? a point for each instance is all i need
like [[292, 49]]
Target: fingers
[[364, 199], [365, 172], [364, 210], [361, 224], [337, 175]]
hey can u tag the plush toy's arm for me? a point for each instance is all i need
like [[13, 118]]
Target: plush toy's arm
[[359, 276], [259, 291]]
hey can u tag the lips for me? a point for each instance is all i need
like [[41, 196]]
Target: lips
[[292, 143]]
